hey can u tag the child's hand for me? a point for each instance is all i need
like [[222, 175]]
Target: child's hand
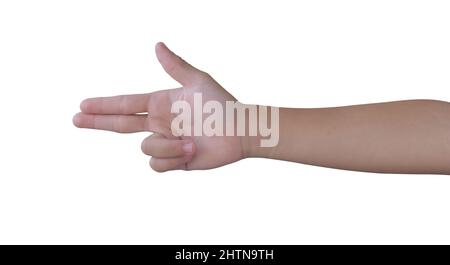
[[152, 112], [394, 137]]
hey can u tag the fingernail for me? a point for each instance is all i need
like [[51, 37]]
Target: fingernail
[[187, 148]]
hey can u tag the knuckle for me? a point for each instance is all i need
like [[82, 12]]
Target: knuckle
[[204, 76], [146, 146], [156, 166], [123, 104], [173, 66], [181, 60], [176, 148], [121, 125]]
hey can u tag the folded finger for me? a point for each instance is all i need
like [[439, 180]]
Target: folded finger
[[158, 146], [166, 164]]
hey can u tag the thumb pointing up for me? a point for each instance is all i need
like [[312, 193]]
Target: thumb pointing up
[[176, 67]]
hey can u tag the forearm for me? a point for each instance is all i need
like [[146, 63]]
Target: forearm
[[397, 137]]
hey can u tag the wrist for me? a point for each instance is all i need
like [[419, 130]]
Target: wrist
[[250, 146], [264, 143]]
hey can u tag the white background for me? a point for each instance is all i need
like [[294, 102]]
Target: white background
[[60, 184]]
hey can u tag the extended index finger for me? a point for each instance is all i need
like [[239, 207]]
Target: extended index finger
[[123, 104]]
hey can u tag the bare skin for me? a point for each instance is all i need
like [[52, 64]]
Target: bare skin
[[410, 136]]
